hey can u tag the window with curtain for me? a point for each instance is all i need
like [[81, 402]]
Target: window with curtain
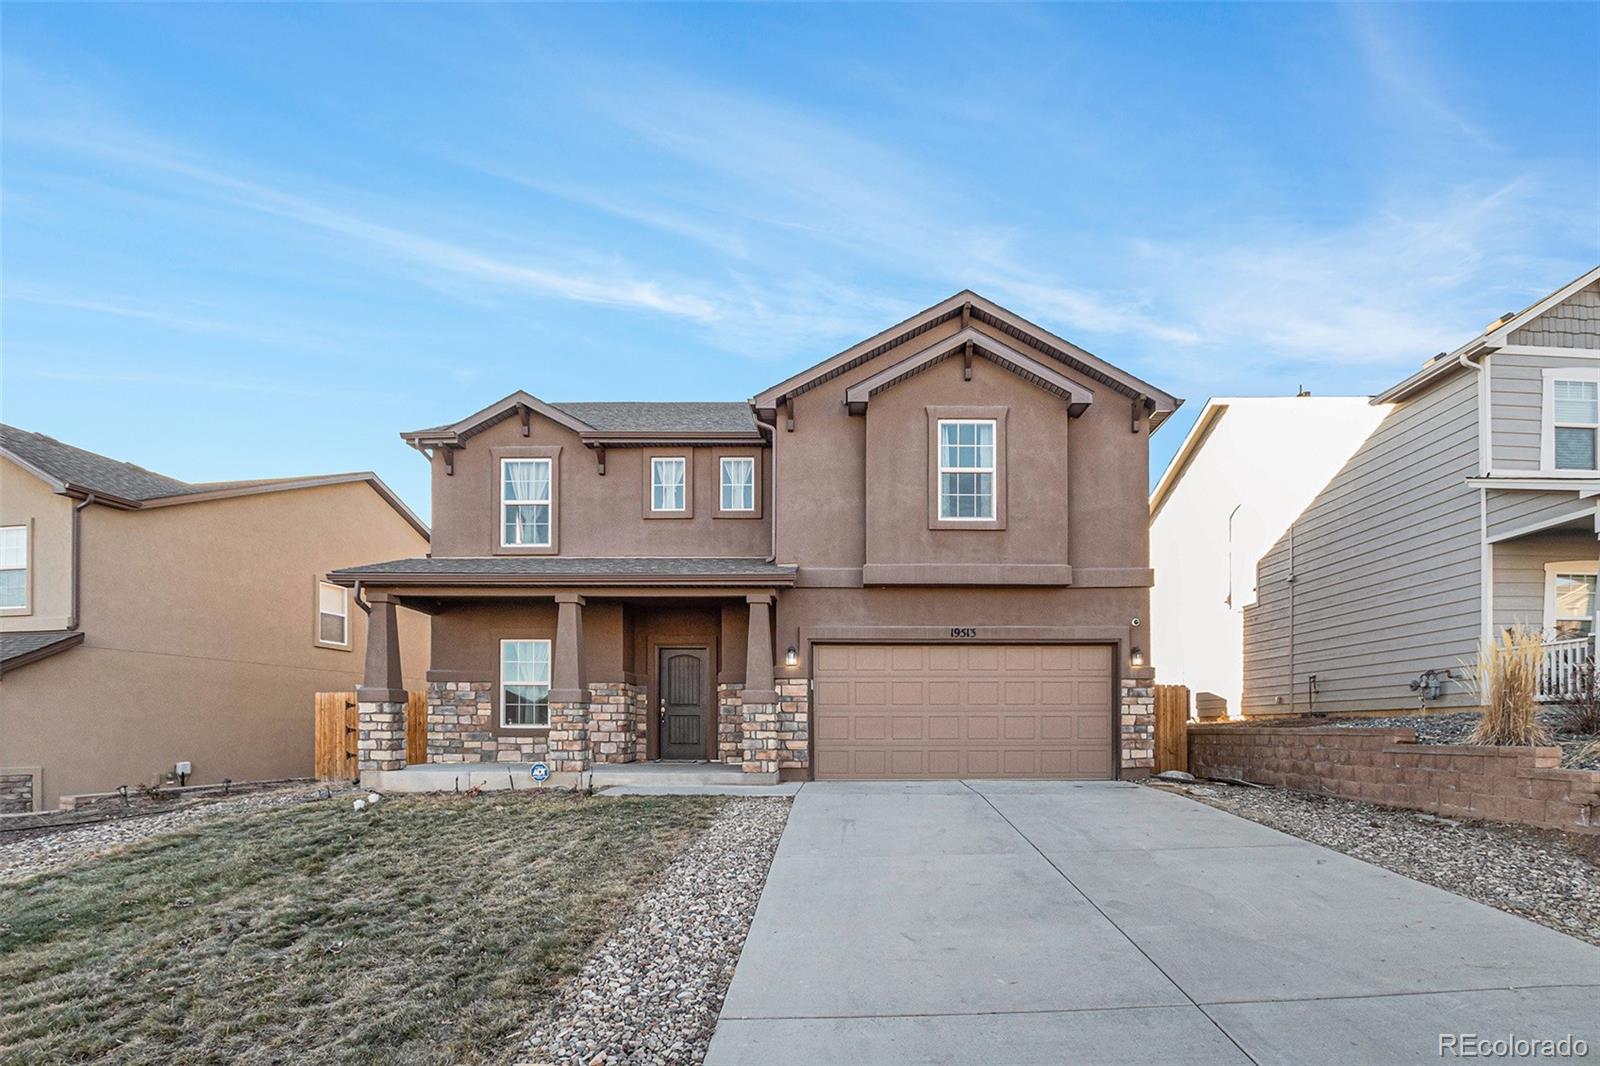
[[739, 484], [667, 484], [13, 566], [1572, 598], [333, 614], [1577, 423], [525, 683], [966, 468], [525, 503]]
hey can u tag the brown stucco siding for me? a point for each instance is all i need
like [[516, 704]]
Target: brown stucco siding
[[199, 641], [596, 515]]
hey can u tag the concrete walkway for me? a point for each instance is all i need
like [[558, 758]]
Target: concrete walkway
[[1029, 922]]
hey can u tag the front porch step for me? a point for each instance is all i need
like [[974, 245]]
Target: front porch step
[[688, 774]]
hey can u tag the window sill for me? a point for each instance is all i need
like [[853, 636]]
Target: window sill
[[330, 646]]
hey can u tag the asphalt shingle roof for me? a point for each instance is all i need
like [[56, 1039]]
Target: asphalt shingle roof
[[649, 417], [17, 645], [97, 473], [561, 566]]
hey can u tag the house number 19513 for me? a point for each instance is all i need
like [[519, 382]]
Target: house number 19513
[[962, 632]]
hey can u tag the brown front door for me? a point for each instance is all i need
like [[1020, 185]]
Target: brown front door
[[681, 679]]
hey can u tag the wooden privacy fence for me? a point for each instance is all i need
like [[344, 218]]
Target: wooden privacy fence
[[338, 728], [1172, 728]]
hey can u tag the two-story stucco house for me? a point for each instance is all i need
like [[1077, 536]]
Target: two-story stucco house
[[1472, 507], [924, 557], [148, 624]]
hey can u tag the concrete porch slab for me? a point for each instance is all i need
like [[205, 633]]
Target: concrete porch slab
[[459, 777], [691, 774], [786, 789]]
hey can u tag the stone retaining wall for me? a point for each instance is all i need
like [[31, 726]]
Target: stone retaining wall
[[1387, 766]]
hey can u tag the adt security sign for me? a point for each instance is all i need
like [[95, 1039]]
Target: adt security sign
[[541, 772]]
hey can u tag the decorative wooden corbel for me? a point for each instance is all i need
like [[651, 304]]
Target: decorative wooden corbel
[[966, 361], [524, 412], [966, 315], [1137, 411], [788, 414], [600, 459], [449, 459]]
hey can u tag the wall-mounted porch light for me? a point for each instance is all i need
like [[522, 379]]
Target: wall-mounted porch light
[[1136, 656], [791, 657]]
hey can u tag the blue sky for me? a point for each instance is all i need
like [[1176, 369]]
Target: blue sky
[[261, 240]]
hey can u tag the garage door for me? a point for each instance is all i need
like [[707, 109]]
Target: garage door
[[962, 710]]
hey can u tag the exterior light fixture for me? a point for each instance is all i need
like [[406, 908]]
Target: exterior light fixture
[[1136, 656], [791, 657]]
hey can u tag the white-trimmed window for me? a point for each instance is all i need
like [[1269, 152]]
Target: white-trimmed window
[[1571, 421], [739, 483], [667, 491], [966, 469], [525, 684], [1569, 590], [525, 503], [14, 568], [333, 615]]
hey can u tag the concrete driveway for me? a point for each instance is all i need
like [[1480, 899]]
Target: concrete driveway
[[1052, 921]]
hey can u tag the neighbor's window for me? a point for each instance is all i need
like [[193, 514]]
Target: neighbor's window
[[667, 484], [13, 566], [739, 484], [1571, 599], [966, 468], [525, 682], [1577, 422], [333, 614], [525, 503]]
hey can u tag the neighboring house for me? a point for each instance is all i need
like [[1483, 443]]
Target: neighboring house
[[1246, 470], [1471, 508], [146, 621], [923, 557]]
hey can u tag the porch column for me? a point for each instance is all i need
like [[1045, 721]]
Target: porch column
[[569, 750], [566, 669], [758, 683], [381, 696]]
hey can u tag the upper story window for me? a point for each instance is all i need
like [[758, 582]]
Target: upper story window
[[13, 568], [668, 483], [739, 483], [966, 469], [1571, 421], [333, 615], [525, 683], [525, 503]]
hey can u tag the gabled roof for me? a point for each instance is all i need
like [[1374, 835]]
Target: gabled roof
[[76, 472], [1077, 395], [1494, 336], [604, 422], [20, 649], [1030, 337]]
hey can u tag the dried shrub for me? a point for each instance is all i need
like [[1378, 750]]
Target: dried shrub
[[1508, 683], [1581, 703]]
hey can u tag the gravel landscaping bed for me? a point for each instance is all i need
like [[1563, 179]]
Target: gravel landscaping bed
[[36, 852], [1549, 877], [651, 992], [1579, 751]]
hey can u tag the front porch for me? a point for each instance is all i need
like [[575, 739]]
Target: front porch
[[587, 667], [1544, 580]]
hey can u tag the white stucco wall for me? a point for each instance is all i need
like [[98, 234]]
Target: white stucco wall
[[1248, 468]]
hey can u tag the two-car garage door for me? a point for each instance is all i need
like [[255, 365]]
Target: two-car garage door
[[913, 711]]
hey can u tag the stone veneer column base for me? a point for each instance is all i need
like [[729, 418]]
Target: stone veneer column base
[[613, 731], [569, 737], [777, 736], [730, 724], [1138, 728], [381, 744]]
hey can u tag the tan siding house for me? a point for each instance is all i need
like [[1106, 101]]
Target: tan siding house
[[196, 628], [1472, 507]]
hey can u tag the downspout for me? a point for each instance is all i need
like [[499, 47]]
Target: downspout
[[73, 619]]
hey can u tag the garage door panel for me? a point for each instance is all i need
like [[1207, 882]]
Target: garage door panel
[[958, 710]]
